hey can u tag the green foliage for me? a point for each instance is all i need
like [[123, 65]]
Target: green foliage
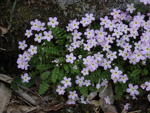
[[135, 73], [84, 91], [42, 67], [18, 82], [51, 50], [55, 74], [45, 75], [120, 88], [43, 87]]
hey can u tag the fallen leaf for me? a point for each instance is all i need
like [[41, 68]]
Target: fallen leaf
[[5, 78], [3, 31], [52, 106], [107, 91], [5, 95], [20, 109]]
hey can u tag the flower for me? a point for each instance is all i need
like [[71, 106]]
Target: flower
[[90, 17], [32, 50], [72, 95], [87, 83], [25, 78], [38, 37], [71, 101], [66, 82], [126, 106], [123, 78], [143, 86], [60, 90], [35, 25], [22, 45], [79, 81], [104, 82], [147, 86], [107, 100], [53, 22], [28, 33], [70, 58], [130, 7], [48, 35], [145, 1], [132, 90]]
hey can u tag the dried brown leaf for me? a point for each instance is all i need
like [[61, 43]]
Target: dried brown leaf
[[3, 30]]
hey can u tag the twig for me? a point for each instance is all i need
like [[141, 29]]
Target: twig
[[2, 49], [105, 9], [11, 15]]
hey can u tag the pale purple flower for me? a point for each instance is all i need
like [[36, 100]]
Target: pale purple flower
[[48, 35], [104, 82], [53, 22], [111, 25], [89, 33], [126, 106], [38, 37], [132, 90], [104, 20], [84, 21], [115, 13], [143, 86], [145, 1], [66, 82], [90, 17], [87, 83], [71, 101], [85, 71], [74, 24], [35, 25], [130, 7], [112, 55], [60, 90], [79, 81], [147, 86], [106, 64], [117, 33], [72, 95], [28, 33], [32, 50], [70, 58], [76, 35], [107, 100], [22, 45], [25, 78], [123, 78]]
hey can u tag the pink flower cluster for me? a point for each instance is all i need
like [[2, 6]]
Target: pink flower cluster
[[123, 37], [36, 26]]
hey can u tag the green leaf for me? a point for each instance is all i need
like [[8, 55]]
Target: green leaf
[[55, 74], [135, 72], [145, 71], [84, 91], [51, 50], [118, 92], [42, 67], [43, 87], [65, 66], [45, 75]]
